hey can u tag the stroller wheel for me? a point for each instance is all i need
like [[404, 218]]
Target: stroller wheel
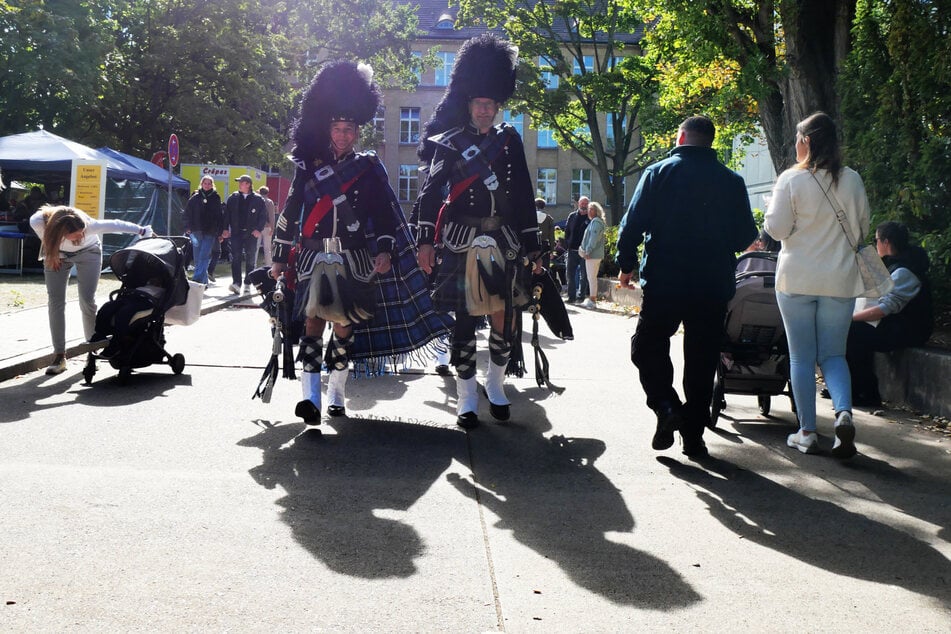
[[177, 363], [763, 404], [88, 372], [124, 373]]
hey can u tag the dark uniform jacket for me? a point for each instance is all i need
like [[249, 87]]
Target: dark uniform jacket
[[513, 201], [693, 215], [366, 193]]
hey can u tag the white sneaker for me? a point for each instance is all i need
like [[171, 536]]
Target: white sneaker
[[844, 446], [806, 443], [234, 288], [58, 366], [587, 303]]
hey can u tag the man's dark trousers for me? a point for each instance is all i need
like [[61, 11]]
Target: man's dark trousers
[[244, 248], [650, 351], [577, 276]]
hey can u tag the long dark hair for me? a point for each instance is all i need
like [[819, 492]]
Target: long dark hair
[[59, 222], [824, 150]]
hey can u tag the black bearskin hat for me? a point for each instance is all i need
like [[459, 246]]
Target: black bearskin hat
[[484, 67], [340, 91]]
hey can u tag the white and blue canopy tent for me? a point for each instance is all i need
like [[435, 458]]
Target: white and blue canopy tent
[[133, 192]]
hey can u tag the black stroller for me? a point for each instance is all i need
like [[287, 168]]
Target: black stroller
[[754, 358], [151, 262]]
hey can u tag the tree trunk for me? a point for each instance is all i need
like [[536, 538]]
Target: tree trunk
[[817, 37]]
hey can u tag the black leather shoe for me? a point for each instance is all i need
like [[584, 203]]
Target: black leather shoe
[[443, 370], [499, 412], [824, 393], [469, 420], [668, 421], [336, 410], [695, 448], [308, 411]]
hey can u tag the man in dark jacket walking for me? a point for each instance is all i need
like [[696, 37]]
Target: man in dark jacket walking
[[245, 218], [693, 215]]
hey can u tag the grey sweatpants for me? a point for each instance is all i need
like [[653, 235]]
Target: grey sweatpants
[[88, 263]]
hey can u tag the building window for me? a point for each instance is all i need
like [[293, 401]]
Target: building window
[[417, 65], [445, 22], [609, 132], [549, 78], [517, 121], [444, 67], [580, 183], [547, 185], [546, 138], [409, 125], [588, 65], [379, 124], [408, 186]]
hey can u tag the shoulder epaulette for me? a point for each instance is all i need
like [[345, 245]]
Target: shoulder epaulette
[[445, 138]]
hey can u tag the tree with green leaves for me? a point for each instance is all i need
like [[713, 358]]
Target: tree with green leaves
[[896, 107], [578, 61], [223, 75], [779, 60]]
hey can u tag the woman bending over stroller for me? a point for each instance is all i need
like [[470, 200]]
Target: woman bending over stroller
[[68, 238]]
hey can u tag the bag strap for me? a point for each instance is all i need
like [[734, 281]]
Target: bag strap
[[839, 213]]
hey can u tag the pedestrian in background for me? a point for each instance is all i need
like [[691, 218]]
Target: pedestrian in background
[[203, 219], [817, 279], [693, 215], [546, 231], [574, 265], [245, 218], [592, 251], [68, 238], [268, 232]]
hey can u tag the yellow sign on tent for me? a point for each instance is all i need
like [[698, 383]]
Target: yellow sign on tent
[[87, 188]]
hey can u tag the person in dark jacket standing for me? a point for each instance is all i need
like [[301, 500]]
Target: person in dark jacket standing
[[693, 215], [574, 266], [245, 218], [203, 225]]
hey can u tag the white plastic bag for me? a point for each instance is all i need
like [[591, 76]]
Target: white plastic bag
[[189, 312]]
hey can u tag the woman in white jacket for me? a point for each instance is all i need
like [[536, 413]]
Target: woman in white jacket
[[817, 279], [69, 237]]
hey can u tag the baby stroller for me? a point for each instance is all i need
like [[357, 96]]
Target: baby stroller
[[754, 358], [151, 262]]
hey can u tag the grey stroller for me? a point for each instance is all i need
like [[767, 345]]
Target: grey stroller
[[754, 358]]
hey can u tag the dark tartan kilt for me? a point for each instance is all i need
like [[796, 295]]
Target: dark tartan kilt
[[449, 285], [357, 287]]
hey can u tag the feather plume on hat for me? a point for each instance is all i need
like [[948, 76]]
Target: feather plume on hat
[[484, 67], [340, 91]]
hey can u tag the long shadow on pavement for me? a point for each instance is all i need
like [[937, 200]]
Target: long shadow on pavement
[[549, 493], [816, 532], [336, 483]]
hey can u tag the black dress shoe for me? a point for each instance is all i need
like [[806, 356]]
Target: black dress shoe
[[336, 410], [443, 370], [308, 411], [668, 421], [695, 448], [824, 393], [499, 412], [469, 420]]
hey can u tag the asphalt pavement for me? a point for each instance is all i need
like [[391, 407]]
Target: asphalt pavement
[[179, 503]]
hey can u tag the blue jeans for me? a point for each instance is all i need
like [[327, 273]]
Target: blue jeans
[[202, 244], [817, 329]]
